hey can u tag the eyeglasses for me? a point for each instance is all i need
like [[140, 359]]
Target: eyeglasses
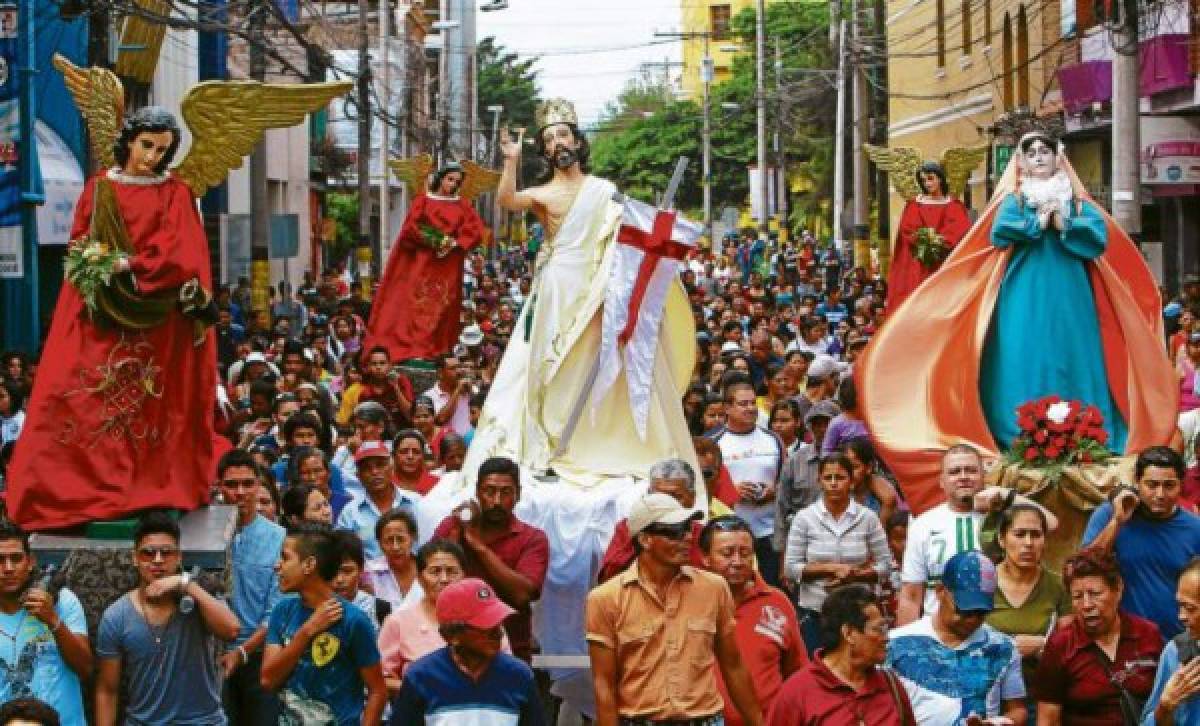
[[150, 554], [13, 558], [669, 531]]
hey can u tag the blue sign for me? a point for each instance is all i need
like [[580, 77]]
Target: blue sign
[[285, 236]]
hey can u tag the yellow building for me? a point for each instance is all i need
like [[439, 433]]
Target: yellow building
[[957, 67], [712, 17]]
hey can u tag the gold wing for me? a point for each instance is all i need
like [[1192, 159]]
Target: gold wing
[[901, 164], [227, 119], [100, 97], [414, 172], [959, 163], [477, 180]]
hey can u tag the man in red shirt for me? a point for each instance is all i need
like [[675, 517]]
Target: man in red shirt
[[767, 634], [676, 479], [501, 550]]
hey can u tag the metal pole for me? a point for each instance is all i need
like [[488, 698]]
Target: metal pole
[[31, 195], [706, 77], [260, 207], [385, 90], [862, 251], [760, 51], [443, 80], [781, 190], [839, 143], [495, 204], [364, 151], [1126, 139]]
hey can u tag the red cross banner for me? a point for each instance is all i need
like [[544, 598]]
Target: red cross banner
[[651, 246]]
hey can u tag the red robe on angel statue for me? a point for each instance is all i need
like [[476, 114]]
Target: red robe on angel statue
[[121, 417], [417, 307], [915, 259]]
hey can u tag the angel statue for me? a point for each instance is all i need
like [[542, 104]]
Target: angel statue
[[416, 311], [1045, 296], [934, 218], [121, 416]]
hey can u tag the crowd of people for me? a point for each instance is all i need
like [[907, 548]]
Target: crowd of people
[[785, 582]]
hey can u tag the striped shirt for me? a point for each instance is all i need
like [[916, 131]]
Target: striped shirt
[[816, 537]]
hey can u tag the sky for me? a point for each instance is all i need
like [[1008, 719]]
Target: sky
[[588, 48]]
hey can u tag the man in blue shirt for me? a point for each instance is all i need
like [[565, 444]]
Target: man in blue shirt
[[1173, 699], [469, 680], [1151, 536], [374, 461], [321, 648], [256, 547], [45, 639]]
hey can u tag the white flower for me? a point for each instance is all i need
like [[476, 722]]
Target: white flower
[[1059, 412]]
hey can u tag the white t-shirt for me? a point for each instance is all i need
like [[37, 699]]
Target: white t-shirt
[[933, 538], [1189, 426], [755, 456]]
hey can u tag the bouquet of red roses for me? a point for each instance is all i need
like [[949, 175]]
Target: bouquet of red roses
[[1054, 432]]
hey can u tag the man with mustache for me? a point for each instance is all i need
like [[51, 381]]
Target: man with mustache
[[501, 550]]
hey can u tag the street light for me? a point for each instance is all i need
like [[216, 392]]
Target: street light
[[495, 110]]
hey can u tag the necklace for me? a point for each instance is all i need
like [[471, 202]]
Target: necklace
[[156, 631]]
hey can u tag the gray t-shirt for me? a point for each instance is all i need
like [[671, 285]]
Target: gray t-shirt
[[171, 681]]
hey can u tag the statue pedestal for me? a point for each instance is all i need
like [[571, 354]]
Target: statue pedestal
[[100, 571]]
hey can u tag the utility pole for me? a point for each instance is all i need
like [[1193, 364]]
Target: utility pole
[[1126, 139], [494, 198], [880, 137], [862, 250], [839, 141], [385, 91], [706, 79], [781, 191], [260, 211], [364, 151], [760, 94]]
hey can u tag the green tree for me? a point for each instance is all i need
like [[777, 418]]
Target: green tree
[[642, 134], [342, 208], [507, 80]]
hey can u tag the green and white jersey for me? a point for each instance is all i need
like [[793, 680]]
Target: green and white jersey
[[933, 538]]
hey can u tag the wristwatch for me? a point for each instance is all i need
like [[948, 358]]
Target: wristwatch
[[184, 580]]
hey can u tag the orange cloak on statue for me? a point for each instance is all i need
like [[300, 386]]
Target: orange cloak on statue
[[918, 380]]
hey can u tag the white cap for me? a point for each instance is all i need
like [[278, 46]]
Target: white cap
[[658, 508]]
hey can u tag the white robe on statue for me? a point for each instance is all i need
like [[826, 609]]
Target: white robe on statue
[[604, 466]]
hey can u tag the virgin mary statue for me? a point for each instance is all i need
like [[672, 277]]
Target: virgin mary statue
[[1045, 296]]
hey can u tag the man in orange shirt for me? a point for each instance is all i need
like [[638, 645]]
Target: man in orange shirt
[[655, 630], [767, 632]]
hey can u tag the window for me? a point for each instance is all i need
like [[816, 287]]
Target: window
[[941, 33], [1022, 58], [718, 22], [966, 27], [1006, 47]]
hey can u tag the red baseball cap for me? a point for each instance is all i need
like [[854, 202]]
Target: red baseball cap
[[472, 602], [369, 449]]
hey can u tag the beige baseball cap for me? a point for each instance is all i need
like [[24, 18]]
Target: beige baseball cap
[[658, 508]]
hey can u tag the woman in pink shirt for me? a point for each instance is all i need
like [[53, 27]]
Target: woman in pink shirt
[[412, 631]]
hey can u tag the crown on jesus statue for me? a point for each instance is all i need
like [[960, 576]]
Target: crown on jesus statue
[[556, 111]]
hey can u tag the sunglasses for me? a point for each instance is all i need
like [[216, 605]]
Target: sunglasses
[[669, 531], [150, 554]]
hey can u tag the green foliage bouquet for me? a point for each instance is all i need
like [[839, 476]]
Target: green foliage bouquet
[[89, 266], [929, 247]]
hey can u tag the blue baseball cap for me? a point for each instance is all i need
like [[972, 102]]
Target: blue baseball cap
[[1172, 310], [971, 579]]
